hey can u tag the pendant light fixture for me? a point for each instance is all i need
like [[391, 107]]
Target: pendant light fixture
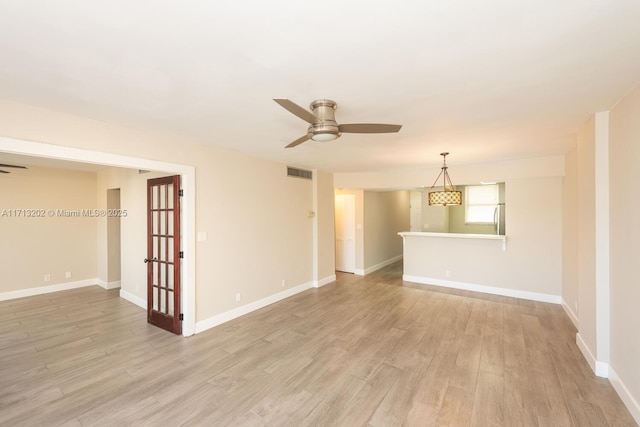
[[448, 196]]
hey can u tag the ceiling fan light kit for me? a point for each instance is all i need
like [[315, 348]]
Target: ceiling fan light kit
[[324, 136], [322, 122]]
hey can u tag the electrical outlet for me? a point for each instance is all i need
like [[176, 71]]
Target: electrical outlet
[[67, 275], [284, 283], [238, 297], [448, 273], [47, 277]]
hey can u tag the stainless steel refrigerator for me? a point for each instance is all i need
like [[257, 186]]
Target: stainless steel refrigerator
[[498, 219]]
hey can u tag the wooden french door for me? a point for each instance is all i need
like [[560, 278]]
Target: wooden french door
[[163, 253]]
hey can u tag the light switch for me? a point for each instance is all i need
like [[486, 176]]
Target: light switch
[[202, 236]]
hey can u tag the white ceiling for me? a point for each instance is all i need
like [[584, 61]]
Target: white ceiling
[[485, 80]]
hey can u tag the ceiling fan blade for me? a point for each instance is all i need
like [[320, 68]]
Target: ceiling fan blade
[[369, 128], [299, 141], [1, 171], [12, 166], [294, 108]]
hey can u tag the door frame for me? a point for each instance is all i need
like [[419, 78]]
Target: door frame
[[187, 227]]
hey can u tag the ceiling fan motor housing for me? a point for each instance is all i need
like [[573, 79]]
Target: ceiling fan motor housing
[[324, 110]]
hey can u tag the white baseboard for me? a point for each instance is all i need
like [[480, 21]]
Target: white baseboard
[[320, 283], [133, 299], [221, 318], [109, 285], [627, 398], [383, 264], [589, 357], [600, 369], [534, 296], [39, 290], [570, 313]]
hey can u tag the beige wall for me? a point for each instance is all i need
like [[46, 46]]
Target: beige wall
[[33, 247], [624, 156], [435, 219], [586, 235], [324, 210], [386, 213], [258, 232]]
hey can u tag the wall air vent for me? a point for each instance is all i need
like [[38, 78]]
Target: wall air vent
[[299, 173]]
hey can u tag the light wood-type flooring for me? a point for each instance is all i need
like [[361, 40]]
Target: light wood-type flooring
[[364, 351]]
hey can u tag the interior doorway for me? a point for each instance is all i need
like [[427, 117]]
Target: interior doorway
[[187, 173], [114, 266], [345, 223]]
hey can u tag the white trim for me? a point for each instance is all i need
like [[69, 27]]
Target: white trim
[[188, 218], [601, 369], [500, 237], [188, 267], [314, 228], [586, 353], [221, 318], [320, 283], [534, 296], [109, 285], [383, 264], [570, 313], [627, 398], [40, 290], [142, 303]]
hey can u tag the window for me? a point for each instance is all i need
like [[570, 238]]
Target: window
[[480, 203]]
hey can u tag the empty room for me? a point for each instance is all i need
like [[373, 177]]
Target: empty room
[[340, 214]]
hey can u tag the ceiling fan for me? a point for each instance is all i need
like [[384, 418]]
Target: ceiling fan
[[10, 166], [322, 123]]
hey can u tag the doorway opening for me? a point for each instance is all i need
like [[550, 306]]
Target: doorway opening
[[114, 267], [187, 173], [345, 233]]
